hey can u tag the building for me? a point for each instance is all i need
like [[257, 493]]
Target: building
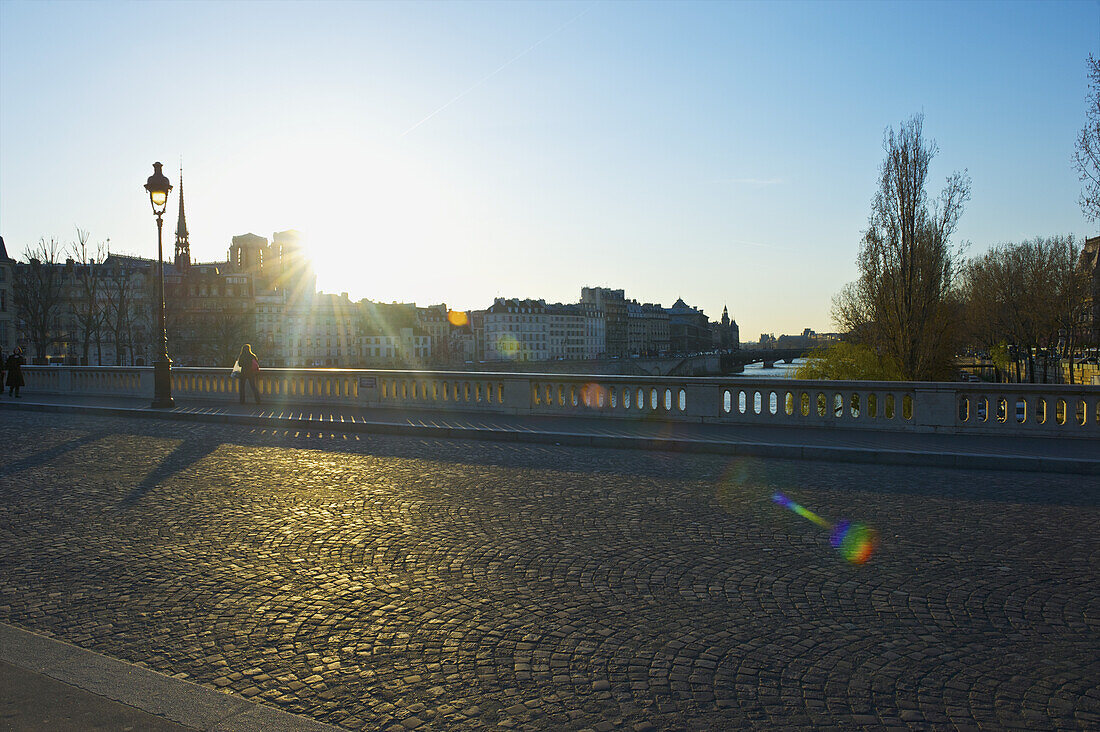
[[463, 346], [7, 301], [725, 335], [689, 329], [656, 322], [210, 307], [809, 339], [595, 330], [517, 330], [568, 333], [391, 338], [324, 330], [635, 328], [92, 313], [261, 294], [433, 321], [270, 334], [476, 320], [612, 303], [128, 289], [208, 313]]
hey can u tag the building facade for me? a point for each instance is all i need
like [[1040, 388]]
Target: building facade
[[7, 301], [725, 335], [689, 329], [433, 321], [612, 303], [517, 330], [390, 336]]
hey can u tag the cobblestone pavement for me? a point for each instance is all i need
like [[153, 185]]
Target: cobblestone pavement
[[387, 582]]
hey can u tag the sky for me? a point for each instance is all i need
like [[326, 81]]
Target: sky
[[725, 153]]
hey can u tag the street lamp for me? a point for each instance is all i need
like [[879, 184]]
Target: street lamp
[[158, 187]]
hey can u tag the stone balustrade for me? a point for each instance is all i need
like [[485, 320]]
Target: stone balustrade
[[970, 408]]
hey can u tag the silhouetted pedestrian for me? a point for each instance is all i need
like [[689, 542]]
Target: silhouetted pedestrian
[[15, 372], [3, 370], [250, 369]]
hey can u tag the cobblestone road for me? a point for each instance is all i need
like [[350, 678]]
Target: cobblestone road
[[378, 582]]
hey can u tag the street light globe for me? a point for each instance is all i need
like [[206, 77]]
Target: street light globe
[[158, 187]]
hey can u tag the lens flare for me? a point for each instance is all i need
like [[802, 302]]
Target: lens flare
[[508, 347], [457, 318], [805, 513], [593, 396], [854, 541]]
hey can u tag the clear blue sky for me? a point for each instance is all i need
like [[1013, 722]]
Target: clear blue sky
[[722, 152]]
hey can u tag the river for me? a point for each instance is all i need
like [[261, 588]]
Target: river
[[779, 371]]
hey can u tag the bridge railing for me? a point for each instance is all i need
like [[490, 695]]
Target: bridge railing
[[997, 409]]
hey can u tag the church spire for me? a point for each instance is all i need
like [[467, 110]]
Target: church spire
[[183, 242]]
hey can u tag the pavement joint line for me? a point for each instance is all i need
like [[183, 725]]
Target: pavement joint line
[[839, 453], [180, 701]]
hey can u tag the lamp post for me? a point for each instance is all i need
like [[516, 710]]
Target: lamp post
[[158, 187]]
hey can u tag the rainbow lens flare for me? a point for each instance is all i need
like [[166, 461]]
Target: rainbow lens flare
[[805, 513], [855, 542]]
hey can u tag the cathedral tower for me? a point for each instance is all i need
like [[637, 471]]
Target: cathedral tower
[[183, 242]]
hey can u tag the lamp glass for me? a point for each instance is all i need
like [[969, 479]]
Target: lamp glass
[[159, 198]]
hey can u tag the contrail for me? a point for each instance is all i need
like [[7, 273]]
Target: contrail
[[503, 66]]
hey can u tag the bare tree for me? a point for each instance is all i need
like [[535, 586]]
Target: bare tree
[[228, 332], [1087, 154], [88, 302], [120, 296], [988, 282], [903, 305], [39, 286], [1029, 297], [1070, 300]]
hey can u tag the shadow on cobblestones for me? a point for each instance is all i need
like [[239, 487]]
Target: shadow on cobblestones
[[186, 454], [41, 457]]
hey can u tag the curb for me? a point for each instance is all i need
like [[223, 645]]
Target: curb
[[972, 461], [179, 701]]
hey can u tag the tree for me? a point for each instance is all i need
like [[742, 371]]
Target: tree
[[1070, 299], [228, 331], [988, 284], [844, 360], [903, 306], [88, 303], [1027, 298], [1087, 154], [121, 296], [38, 288]]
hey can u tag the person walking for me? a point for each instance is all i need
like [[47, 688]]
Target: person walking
[[250, 368], [14, 366]]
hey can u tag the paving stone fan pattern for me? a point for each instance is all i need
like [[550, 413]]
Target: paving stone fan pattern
[[397, 583]]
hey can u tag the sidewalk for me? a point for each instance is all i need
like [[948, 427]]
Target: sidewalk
[[53, 686], [986, 452]]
